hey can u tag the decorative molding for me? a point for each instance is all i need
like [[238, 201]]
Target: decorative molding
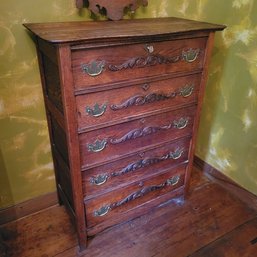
[[141, 100], [29, 207], [178, 124], [218, 177], [137, 100], [136, 133], [144, 61]]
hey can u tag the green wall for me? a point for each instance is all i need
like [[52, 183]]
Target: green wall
[[227, 137]]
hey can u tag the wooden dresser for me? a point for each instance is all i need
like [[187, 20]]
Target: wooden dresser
[[123, 101]]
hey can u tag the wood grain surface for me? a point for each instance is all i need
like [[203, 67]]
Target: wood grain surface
[[100, 31]]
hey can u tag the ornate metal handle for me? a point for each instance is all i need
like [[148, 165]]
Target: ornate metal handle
[[94, 68], [99, 180], [187, 90], [97, 111], [181, 123], [173, 181], [177, 154], [97, 146], [102, 211], [190, 55]]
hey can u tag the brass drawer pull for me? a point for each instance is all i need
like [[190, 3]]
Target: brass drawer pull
[[177, 154], [97, 110], [190, 55], [102, 211], [94, 68], [187, 90], [173, 181], [138, 194], [99, 180], [98, 146], [181, 123]]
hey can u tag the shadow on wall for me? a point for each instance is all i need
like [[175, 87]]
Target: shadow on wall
[[5, 190], [212, 93]]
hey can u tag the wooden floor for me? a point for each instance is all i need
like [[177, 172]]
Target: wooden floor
[[211, 223]]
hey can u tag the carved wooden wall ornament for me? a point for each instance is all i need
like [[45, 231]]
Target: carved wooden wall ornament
[[114, 9]]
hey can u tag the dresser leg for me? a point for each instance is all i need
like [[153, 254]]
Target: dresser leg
[[60, 201], [81, 247]]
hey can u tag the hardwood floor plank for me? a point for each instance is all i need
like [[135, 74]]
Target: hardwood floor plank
[[224, 181], [43, 234], [241, 242]]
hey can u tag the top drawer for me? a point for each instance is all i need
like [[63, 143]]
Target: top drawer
[[98, 66]]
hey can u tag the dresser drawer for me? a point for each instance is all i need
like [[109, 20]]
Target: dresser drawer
[[116, 203], [100, 66], [124, 103], [103, 179], [111, 143]]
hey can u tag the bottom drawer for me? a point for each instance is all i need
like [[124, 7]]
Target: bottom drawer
[[112, 207]]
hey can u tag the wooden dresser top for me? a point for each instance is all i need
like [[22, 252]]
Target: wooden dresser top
[[68, 32]]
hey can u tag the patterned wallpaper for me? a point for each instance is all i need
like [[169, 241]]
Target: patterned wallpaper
[[227, 136]]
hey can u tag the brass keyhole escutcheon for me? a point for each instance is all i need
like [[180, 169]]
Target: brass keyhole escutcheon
[[149, 48]]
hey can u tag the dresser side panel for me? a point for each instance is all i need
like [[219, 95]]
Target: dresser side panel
[[207, 57], [71, 127]]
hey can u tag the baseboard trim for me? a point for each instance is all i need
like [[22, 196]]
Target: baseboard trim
[[215, 175], [28, 207]]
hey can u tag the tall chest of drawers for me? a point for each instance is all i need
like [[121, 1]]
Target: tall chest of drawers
[[123, 101]]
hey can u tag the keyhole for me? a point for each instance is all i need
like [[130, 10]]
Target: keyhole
[[145, 87], [149, 49], [141, 184]]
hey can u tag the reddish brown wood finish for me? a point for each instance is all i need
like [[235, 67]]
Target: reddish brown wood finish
[[135, 61], [137, 167], [136, 69], [72, 140], [134, 101], [207, 58], [135, 136], [130, 197], [121, 32], [241, 242], [51, 111]]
